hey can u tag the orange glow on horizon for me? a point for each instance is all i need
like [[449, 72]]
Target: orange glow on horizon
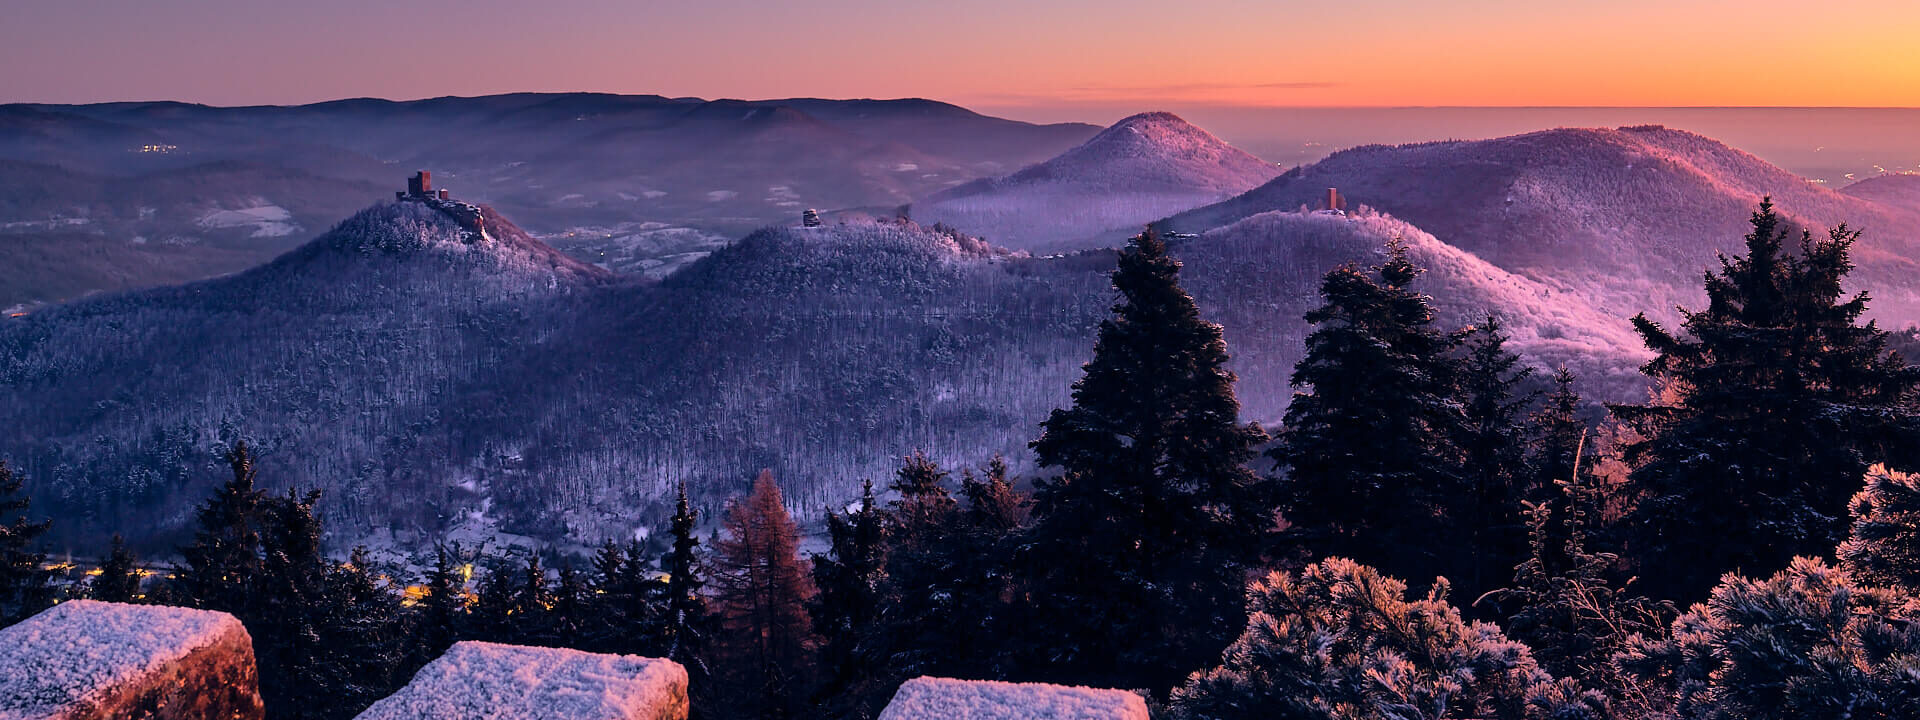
[[990, 53]]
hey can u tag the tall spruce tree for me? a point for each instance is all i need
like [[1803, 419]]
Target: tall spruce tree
[[570, 616], [851, 578], [119, 578], [1558, 436], [1142, 532], [762, 589], [442, 608], [287, 608], [363, 637], [24, 586], [1781, 399], [982, 547], [1369, 448], [688, 625], [223, 562], [1492, 442]]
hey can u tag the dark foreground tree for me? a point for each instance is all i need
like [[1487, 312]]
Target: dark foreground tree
[[1340, 641], [223, 563], [1565, 605], [688, 628], [1368, 447], [851, 577], [762, 588], [1492, 441], [23, 582], [1141, 536], [442, 609], [119, 578], [1780, 399]]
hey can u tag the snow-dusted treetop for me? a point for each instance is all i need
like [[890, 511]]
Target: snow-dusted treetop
[[490, 681], [929, 698], [77, 653]]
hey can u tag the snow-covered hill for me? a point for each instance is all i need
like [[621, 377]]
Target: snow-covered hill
[[1143, 168], [1627, 219]]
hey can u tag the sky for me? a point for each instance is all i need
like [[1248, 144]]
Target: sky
[[1020, 57]]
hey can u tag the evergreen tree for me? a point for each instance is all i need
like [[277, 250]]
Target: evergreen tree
[[223, 562], [982, 549], [688, 625], [531, 610], [1559, 434], [608, 629], [1151, 514], [492, 615], [762, 589], [1781, 401], [993, 506], [443, 607], [850, 578], [1369, 445], [1340, 641], [119, 578], [1566, 607], [1884, 548], [1492, 443], [364, 641], [925, 504], [570, 612], [921, 611], [286, 609], [24, 588]]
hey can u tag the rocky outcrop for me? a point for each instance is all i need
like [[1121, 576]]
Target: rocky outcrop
[[89, 660]]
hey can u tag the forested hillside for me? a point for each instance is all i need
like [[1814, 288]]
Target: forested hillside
[[428, 383]]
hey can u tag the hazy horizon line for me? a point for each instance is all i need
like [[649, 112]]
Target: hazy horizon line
[[1068, 104]]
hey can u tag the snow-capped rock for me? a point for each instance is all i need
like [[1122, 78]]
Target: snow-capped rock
[[490, 681], [87, 659], [929, 698]]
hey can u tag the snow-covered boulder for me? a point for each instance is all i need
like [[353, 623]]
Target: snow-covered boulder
[[490, 681], [90, 660], [930, 698]]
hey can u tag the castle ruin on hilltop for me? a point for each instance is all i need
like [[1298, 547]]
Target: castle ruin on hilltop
[[420, 190]]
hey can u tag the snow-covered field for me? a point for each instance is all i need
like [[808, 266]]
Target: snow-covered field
[[266, 220]]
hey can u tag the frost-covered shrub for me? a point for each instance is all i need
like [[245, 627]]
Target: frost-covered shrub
[[1340, 641], [1810, 642], [1884, 549]]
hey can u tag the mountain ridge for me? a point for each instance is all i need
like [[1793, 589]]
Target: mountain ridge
[[1139, 169]]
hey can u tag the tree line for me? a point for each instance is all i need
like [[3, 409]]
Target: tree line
[[1436, 530]]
